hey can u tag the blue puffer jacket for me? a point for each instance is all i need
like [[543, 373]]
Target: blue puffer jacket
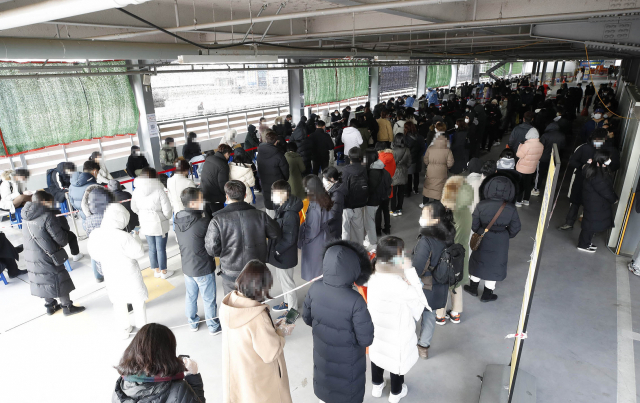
[[80, 181], [342, 326]]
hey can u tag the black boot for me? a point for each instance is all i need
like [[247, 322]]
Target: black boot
[[72, 309], [17, 273], [472, 288], [52, 308], [488, 295]]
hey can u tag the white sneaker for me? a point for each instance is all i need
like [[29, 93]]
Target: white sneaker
[[421, 205], [394, 213], [525, 202], [77, 257], [535, 192], [396, 398], [497, 143], [166, 275], [633, 268], [518, 204], [157, 274], [195, 329], [376, 391]]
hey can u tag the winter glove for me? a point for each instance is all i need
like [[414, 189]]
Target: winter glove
[[191, 365]]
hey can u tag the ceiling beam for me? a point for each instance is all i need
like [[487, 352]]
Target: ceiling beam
[[388, 11]]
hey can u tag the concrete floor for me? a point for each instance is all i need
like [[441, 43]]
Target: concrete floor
[[571, 349]]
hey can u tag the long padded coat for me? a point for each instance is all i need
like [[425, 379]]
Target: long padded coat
[[438, 160], [342, 326], [598, 196]]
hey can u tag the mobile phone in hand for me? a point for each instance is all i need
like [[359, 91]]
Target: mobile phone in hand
[[292, 316]]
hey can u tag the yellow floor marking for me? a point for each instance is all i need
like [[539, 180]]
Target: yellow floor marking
[[156, 286]]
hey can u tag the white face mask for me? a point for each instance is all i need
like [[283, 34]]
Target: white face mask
[[423, 222], [597, 115], [605, 115], [607, 162], [327, 184], [598, 144], [456, 126], [466, 120]]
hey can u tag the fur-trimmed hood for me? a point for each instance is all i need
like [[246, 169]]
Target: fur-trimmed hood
[[457, 193], [502, 185], [344, 263], [442, 232]]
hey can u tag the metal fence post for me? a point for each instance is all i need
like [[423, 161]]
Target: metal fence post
[[246, 119], [208, 129], [73, 216], [184, 130]]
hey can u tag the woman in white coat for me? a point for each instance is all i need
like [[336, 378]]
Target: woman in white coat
[[152, 205], [118, 251], [12, 194], [240, 169], [395, 301], [177, 183], [104, 176]]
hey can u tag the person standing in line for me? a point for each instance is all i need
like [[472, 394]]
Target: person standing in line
[[386, 156], [137, 162], [598, 196], [415, 144], [288, 126], [117, 190], [272, 166], [475, 178], [149, 370], [80, 181], [314, 232], [385, 131], [178, 182], [253, 366], [552, 135], [238, 233], [43, 236], [118, 253], [354, 178], [322, 145], [519, 132], [263, 128], [215, 173], [229, 138], [351, 138], [168, 154], [278, 126], [437, 233], [241, 170], [634, 263], [153, 207], [395, 301], [596, 122], [459, 147], [342, 326], [333, 184], [402, 157], [192, 148], [103, 176], [379, 188], [297, 170], [528, 154], [457, 196], [283, 251], [72, 238], [197, 266], [251, 141], [489, 261], [398, 127], [98, 199], [438, 159]]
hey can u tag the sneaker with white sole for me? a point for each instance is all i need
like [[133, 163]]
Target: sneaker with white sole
[[399, 212], [421, 205], [394, 213], [281, 307], [166, 275], [525, 202], [396, 398], [376, 391], [518, 204], [535, 192], [77, 257], [593, 247], [196, 328], [441, 321], [215, 332], [633, 268], [157, 274], [587, 249]]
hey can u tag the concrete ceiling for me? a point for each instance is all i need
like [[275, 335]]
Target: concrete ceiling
[[369, 30]]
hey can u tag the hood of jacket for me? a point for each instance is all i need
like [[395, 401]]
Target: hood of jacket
[[552, 127], [186, 218], [377, 164], [115, 216], [293, 203], [146, 186], [131, 392], [498, 186], [242, 310], [350, 131], [99, 200], [440, 141], [475, 165], [81, 179], [268, 150], [31, 211], [386, 156], [251, 129], [457, 193], [441, 232], [291, 155], [114, 185], [344, 263], [60, 168]]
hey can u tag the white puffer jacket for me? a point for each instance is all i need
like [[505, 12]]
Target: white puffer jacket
[[175, 185], [152, 205], [395, 306], [118, 251], [103, 175], [6, 203], [244, 174]]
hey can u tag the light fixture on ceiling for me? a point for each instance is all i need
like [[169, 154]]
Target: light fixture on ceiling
[[224, 59]]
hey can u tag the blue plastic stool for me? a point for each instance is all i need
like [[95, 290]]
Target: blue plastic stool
[[67, 265], [16, 218], [2, 277], [194, 171], [64, 207]]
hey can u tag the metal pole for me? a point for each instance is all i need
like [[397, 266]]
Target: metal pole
[[73, 216], [271, 23], [264, 6]]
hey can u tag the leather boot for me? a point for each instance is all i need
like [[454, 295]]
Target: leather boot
[[472, 288], [488, 295], [52, 308], [72, 309]]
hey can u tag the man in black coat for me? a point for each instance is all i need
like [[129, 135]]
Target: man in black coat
[[354, 178], [197, 265], [288, 127], [346, 113], [59, 180], [598, 197], [215, 173], [552, 135], [322, 144], [272, 166], [519, 132], [342, 326], [580, 157], [251, 141], [379, 187], [238, 233]]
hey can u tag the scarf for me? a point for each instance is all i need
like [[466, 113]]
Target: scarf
[[143, 379]]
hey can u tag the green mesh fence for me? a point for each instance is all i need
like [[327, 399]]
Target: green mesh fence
[[516, 68], [49, 111], [438, 76], [334, 84]]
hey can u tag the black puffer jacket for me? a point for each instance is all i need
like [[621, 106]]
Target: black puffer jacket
[[379, 184], [458, 149], [215, 174], [598, 196], [305, 145], [489, 262], [342, 326], [189, 390], [415, 143], [251, 140], [191, 149], [431, 242], [237, 234], [191, 229], [552, 135], [272, 166], [286, 246], [57, 177], [518, 134], [47, 280]]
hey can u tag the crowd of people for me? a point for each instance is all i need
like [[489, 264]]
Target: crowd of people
[[325, 219]]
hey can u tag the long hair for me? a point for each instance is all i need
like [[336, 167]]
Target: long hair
[[597, 166], [315, 191], [410, 128]]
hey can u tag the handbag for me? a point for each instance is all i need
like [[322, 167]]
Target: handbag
[[476, 239], [58, 257]]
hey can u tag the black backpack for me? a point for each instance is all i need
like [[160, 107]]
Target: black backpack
[[357, 192], [450, 267]]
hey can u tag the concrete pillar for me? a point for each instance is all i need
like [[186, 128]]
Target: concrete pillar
[[454, 73], [510, 68], [475, 73], [422, 80], [533, 71], [148, 138], [562, 71], [555, 70], [374, 86], [544, 71], [538, 73], [296, 93]]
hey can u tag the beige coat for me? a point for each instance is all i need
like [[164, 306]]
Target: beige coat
[[438, 160], [529, 153], [253, 366], [385, 132]]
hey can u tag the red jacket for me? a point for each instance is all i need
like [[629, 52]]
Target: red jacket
[[386, 156]]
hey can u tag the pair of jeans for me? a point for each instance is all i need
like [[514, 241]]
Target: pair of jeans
[[73, 243], [96, 273], [353, 224], [398, 197], [383, 209], [64, 301], [206, 285], [377, 378], [428, 326], [157, 251]]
